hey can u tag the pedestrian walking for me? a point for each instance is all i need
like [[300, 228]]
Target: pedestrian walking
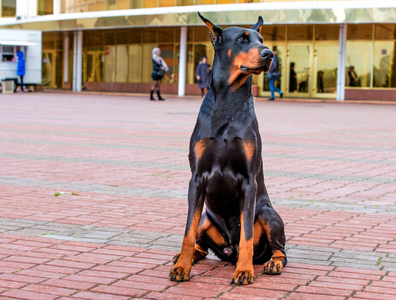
[[159, 69], [273, 74], [21, 68]]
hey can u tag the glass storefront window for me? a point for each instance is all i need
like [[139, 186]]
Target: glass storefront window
[[327, 32], [300, 33], [135, 59], [185, 2], [167, 53], [359, 58], [383, 64], [135, 4], [166, 35], [359, 32], [149, 35], [135, 36], [121, 63], [385, 31], [45, 7], [201, 34], [326, 67], [165, 3], [8, 8], [147, 62], [273, 33], [110, 64], [150, 3]]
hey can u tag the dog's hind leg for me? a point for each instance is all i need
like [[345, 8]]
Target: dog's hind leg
[[268, 222]]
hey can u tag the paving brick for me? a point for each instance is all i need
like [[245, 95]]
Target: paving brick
[[185, 291], [51, 290], [323, 291], [70, 284], [144, 285], [119, 290], [304, 296], [21, 278], [244, 292], [21, 294], [171, 296], [99, 296], [373, 296]]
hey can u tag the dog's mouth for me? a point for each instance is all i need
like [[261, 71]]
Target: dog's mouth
[[263, 68]]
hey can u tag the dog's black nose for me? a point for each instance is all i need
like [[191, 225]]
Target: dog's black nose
[[267, 53]]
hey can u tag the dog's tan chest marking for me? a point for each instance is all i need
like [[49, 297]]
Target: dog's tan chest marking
[[200, 148], [249, 149]]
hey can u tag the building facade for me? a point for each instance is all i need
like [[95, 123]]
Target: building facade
[[105, 45]]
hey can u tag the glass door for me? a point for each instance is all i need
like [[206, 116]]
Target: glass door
[[299, 70], [326, 64], [48, 68]]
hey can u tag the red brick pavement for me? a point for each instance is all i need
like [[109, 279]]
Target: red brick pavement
[[330, 168]]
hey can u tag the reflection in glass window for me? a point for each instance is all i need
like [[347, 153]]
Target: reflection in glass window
[[327, 64], [383, 64], [45, 7], [8, 8], [147, 62], [109, 64], [135, 58], [121, 63], [358, 63]]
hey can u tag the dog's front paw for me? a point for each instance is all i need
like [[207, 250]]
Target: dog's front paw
[[180, 272], [243, 276], [273, 267]]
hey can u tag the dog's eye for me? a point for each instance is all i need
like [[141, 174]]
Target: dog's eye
[[242, 39]]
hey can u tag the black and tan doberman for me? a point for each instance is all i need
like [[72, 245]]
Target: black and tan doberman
[[239, 223]]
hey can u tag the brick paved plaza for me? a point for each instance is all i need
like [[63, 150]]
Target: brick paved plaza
[[93, 199]]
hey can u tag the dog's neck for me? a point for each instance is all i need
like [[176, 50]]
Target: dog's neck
[[230, 91], [226, 104]]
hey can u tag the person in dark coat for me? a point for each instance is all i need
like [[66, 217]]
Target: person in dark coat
[[352, 76], [159, 69], [21, 68], [203, 74], [293, 78], [320, 82]]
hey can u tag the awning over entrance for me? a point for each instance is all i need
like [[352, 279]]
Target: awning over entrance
[[312, 12]]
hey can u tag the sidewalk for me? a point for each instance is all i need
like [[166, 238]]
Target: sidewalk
[[93, 199]]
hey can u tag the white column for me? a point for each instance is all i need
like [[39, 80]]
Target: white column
[[182, 61], [56, 7], [341, 63], [74, 60], [77, 61], [66, 45]]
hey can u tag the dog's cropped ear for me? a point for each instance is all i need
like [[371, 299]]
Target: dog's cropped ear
[[258, 25], [216, 33]]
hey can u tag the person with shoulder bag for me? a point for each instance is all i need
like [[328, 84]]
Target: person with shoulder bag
[[273, 74], [159, 69]]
